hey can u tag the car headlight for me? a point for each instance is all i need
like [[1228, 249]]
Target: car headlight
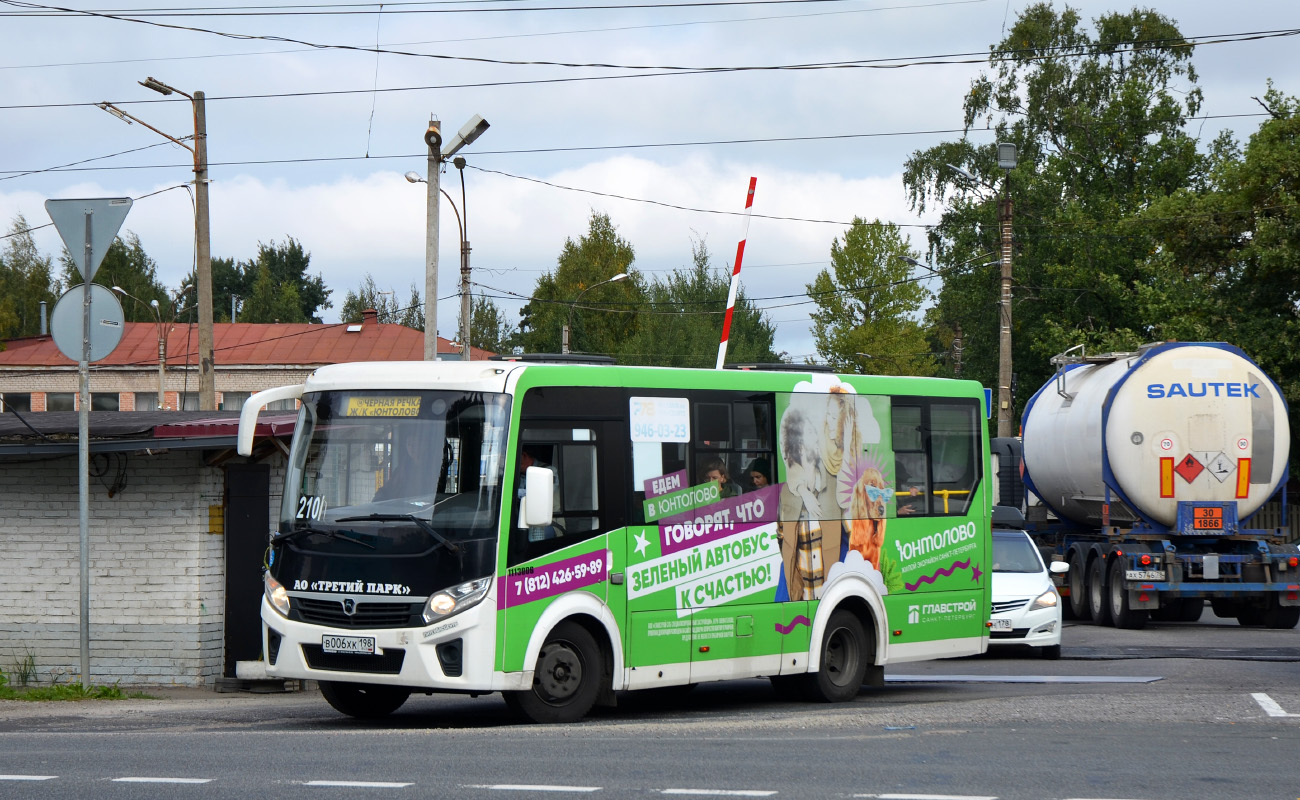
[[1047, 599], [276, 594], [456, 599]]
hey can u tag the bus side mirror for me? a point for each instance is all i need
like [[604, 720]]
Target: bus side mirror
[[539, 497], [253, 406]]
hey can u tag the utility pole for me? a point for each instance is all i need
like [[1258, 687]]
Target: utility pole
[[956, 352], [1007, 161], [433, 138], [202, 230], [465, 325], [203, 269]]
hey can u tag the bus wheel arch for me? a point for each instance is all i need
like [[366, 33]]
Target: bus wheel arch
[[569, 672], [590, 612], [859, 598]]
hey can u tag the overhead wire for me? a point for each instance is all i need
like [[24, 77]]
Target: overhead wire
[[501, 36]]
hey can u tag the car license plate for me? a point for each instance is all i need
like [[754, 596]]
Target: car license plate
[[363, 645], [1144, 575], [1001, 624]]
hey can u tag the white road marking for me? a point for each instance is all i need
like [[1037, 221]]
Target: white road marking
[[1270, 706], [929, 796], [359, 784], [27, 777], [1020, 679], [723, 792], [162, 780], [525, 787]]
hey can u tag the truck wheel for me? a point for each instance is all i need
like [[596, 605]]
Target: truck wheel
[[1250, 617], [1279, 616], [363, 700], [566, 679], [1078, 588], [1120, 612], [1098, 602], [843, 661], [1191, 609], [1225, 607]]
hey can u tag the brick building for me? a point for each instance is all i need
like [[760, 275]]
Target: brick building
[[250, 357]]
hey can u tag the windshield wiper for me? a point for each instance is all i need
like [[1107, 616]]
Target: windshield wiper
[[296, 533], [422, 524]]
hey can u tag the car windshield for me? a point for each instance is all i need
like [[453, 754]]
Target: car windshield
[[395, 471], [1015, 553]]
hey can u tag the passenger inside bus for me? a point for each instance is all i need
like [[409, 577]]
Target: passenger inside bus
[[759, 473], [716, 471], [533, 456], [409, 471]]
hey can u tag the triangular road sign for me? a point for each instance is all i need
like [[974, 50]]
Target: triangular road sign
[[104, 215]]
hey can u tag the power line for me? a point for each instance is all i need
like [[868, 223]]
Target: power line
[[877, 63], [495, 37], [685, 208]]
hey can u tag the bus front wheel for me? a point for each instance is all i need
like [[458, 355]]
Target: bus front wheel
[[566, 678], [363, 700], [843, 660]]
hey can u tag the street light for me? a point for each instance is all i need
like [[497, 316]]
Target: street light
[[437, 155], [162, 346], [202, 228], [564, 340]]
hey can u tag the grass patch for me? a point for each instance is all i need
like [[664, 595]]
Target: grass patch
[[66, 691]]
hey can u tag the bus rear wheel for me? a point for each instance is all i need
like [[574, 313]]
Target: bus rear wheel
[[566, 678], [363, 700], [843, 660]]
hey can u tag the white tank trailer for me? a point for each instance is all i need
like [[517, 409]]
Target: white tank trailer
[[1153, 463]]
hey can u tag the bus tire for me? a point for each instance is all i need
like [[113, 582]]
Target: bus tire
[[1120, 613], [363, 700], [843, 667], [1078, 587], [1098, 602], [566, 678]]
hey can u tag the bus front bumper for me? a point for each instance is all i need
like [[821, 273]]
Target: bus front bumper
[[454, 654]]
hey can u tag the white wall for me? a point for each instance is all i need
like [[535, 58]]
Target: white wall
[[157, 576]]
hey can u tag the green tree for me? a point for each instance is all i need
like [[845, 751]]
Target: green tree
[[488, 327], [25, 280], [369, 295], [868, 304], [286, 265], [682, 322], [605, 318], [271, 302], [127, 266], [1098, 118], [1230, 251], [412, 314]]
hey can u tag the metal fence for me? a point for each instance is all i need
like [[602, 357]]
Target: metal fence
[[1270, 515]]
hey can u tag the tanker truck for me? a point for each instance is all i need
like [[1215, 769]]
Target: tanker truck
[[1142, 471]]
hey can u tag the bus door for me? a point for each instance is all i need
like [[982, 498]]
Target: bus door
[[573, 552]]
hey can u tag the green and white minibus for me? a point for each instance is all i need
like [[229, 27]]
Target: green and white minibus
[[561, 532]]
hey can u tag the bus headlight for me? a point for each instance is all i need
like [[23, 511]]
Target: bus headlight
[[1047, 599], [456, 599], [276, 594]]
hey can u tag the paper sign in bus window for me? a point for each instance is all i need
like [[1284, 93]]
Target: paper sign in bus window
[[660, 419]]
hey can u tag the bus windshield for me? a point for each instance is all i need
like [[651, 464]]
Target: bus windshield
[[395, 472]]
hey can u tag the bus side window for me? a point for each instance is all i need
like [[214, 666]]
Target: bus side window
[[954, 443], [572, 454]]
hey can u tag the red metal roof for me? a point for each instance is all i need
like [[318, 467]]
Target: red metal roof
[[245, 343]]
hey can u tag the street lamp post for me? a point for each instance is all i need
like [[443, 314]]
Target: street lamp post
[[568, 329], [202, 229], [437, 155], [162, 346]]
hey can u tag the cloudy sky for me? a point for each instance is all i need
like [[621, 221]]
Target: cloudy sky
[[312, 142]]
